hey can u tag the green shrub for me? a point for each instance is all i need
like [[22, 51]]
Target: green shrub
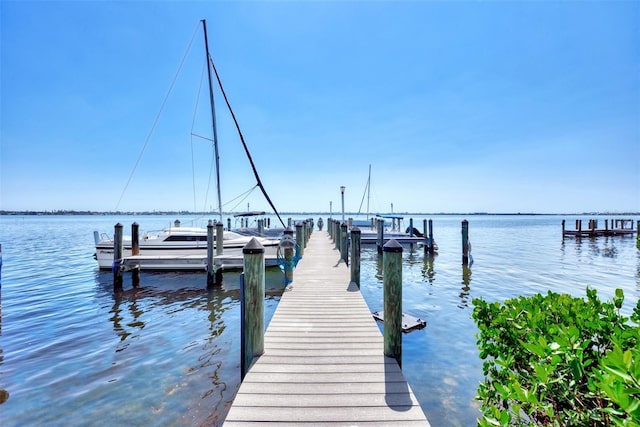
[[556, 360]]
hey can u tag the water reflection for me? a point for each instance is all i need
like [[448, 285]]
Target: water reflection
[[428, 272], [118, 317], [414, 254], [379, 275], [4, 394], [600, 246], [195, 328], [466, 282]]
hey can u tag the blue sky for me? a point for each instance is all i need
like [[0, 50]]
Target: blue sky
[[457, 106]]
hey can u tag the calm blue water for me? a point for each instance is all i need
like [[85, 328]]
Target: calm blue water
[[73, 353]]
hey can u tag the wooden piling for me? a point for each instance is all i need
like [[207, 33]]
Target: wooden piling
[[117, 258], [410, 227], [135, 250], [299, 240], [356, 236], [465, 242], [211, 269], [305, 225], [638, 235], [252, 305], [219, 239], [344, 246], [392, 292], [432, 243], [427, 226], [338, 237], [380, 235], [228, 223], [288, 256]]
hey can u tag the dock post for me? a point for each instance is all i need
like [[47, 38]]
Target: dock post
[[252, 304], [261, 227], [465, 242], [579, 226], [344, 246], [427, 226], [228, 223], [288, 257], [432, 248], [306, 232], [426, 236], [211, 269], [410, 227], [392, 281], [563, 227], [338, 238], [299, 240], [219, 238], [356, 236], [135, 250], [380, 234], [638, 234], [117, 258]]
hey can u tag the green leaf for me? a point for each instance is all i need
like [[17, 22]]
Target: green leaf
[[619, 372]]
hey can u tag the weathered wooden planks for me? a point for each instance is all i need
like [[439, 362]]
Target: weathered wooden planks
[[323, 362]]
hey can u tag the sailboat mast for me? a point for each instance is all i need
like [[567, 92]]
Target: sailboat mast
[[368, 191], [213, 118]]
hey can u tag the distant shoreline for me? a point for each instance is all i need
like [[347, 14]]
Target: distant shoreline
[[166, 213]]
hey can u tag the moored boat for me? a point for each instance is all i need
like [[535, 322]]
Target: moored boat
[[181, 243]]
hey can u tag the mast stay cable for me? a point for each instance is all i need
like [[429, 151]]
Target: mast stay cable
[[155, 122], [246, 149]]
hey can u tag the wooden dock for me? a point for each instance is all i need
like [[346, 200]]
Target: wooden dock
[[618, 227], [323, 362]]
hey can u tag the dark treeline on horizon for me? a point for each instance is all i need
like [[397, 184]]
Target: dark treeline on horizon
[[335, 214]]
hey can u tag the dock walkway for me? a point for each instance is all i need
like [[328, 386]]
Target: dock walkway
[[323, 362]]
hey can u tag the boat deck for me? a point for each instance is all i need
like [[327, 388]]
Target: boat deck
[[324, 362]]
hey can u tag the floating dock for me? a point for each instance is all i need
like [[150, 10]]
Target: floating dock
[[617, 227], [323, 361]]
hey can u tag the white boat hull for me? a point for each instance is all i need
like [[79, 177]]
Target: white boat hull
[[181, 248]]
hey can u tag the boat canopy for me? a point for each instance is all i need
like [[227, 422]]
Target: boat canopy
[[390, 216]]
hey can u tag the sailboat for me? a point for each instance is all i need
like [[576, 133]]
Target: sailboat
[[185, 248], [392, 224]]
